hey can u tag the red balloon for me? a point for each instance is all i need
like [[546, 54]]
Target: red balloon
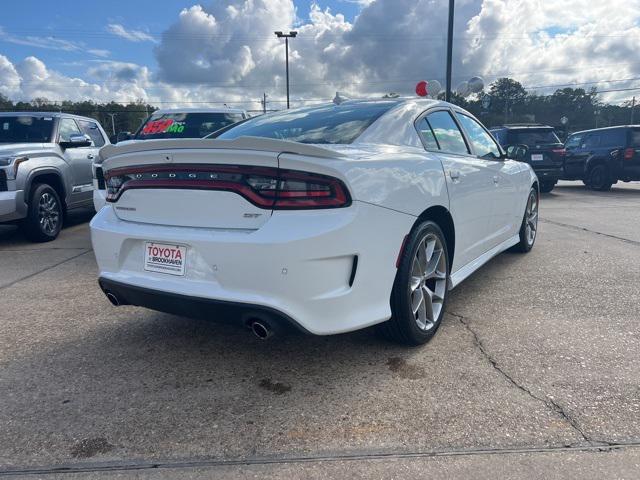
[[421, 89]]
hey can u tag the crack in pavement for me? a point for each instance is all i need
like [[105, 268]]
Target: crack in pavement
[[34, 274], [548, 402], [584, 229], [131, 465]]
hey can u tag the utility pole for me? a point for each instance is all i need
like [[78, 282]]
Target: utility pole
[[633, 106], [113, 122], [447, 95], [286, 37], [264, 103]]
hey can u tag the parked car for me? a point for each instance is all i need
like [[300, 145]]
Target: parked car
[[171, 123], [537, 145], [45, 168], [603, 156], [328, 218]]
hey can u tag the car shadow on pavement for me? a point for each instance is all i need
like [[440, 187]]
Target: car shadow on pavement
[[13, 234]]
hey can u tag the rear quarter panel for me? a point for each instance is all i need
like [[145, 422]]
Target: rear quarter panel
[[406, 180]]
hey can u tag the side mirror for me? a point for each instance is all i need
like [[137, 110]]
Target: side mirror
[[76, 141], [122, 136], [517, 152]]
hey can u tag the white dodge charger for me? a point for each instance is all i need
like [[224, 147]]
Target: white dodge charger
[[328, 218]]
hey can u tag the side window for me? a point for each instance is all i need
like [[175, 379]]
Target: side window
[[592, 141], [425, 132], [484, 145], [574, 141], [447, 132], [67, 129], [91, 129], [613, 138]]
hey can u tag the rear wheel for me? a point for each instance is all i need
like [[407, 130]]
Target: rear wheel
[[529, 227], [420, 290], [599, 178], [44, 218], [547, 186]]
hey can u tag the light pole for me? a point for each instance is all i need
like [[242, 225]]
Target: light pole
[[286, 37], [113, 122], [447, 94]]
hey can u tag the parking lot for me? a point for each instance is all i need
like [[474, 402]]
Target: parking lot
[[535, 368]]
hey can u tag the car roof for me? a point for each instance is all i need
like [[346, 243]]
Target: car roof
[[46, 114], [615, 127], [199, 110]]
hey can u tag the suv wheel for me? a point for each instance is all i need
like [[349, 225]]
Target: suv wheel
[[44, 219], [419, 293], [599, 178], [547, 186]]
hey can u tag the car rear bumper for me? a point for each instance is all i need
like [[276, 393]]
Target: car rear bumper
[[326, 271], [12, 206], [548, 174]]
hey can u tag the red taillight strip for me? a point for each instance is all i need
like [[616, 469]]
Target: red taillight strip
[[628, 153], [337, 196]]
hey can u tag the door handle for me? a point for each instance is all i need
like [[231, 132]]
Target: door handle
[[91, 156], [454, 174]]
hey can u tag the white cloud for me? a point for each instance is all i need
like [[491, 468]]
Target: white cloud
[[131, 35], [50, 43], [225, 51]]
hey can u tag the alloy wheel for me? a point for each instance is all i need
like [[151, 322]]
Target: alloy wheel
[[428, 281], [531, 218], [48, 213]]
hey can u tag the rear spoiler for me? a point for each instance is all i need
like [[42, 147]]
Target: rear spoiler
[[240, 143]]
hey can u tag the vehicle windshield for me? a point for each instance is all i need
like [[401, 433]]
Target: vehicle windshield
[[532, 136], [329, 124], [26, 129], [185, 125]]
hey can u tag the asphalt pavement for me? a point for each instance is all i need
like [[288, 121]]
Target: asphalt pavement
[[534, 372]]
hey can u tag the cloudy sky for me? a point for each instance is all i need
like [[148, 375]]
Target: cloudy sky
[[177, 51]]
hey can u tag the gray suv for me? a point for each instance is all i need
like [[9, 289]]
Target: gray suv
[[45, 168]]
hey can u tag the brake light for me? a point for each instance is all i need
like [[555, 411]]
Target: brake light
[[628, 153], [559, 151], [265, 187]]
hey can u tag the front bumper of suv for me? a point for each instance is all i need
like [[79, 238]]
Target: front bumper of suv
[[12, 206]]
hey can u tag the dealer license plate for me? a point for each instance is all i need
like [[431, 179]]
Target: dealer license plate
[[165, 258], [537, 157]]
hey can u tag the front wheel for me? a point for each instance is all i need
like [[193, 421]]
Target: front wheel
[[529, 226], [599, 178], [547, 186], [419, 293], [44, 218]]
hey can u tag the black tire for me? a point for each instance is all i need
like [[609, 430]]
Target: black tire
[[526, 242], [404, 326], [546, 187], [45, 214], [599, 178]]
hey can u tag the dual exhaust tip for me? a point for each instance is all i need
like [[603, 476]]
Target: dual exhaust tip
[[260, 327]]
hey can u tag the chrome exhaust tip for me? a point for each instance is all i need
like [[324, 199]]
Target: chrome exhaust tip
[[261, 329], [112, 298]]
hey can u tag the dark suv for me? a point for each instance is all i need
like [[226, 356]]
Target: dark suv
[[537, 145], [602, 156]]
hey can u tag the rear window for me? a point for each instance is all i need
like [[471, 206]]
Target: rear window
[[26, 129], [634, 140], [335, 124], [532, 136], [185, 125]]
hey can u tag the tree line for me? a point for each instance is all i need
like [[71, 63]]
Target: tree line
[[509, 102]]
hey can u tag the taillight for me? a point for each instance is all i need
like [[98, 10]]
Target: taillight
[[265, 187], [560, 151], [629, 153]]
